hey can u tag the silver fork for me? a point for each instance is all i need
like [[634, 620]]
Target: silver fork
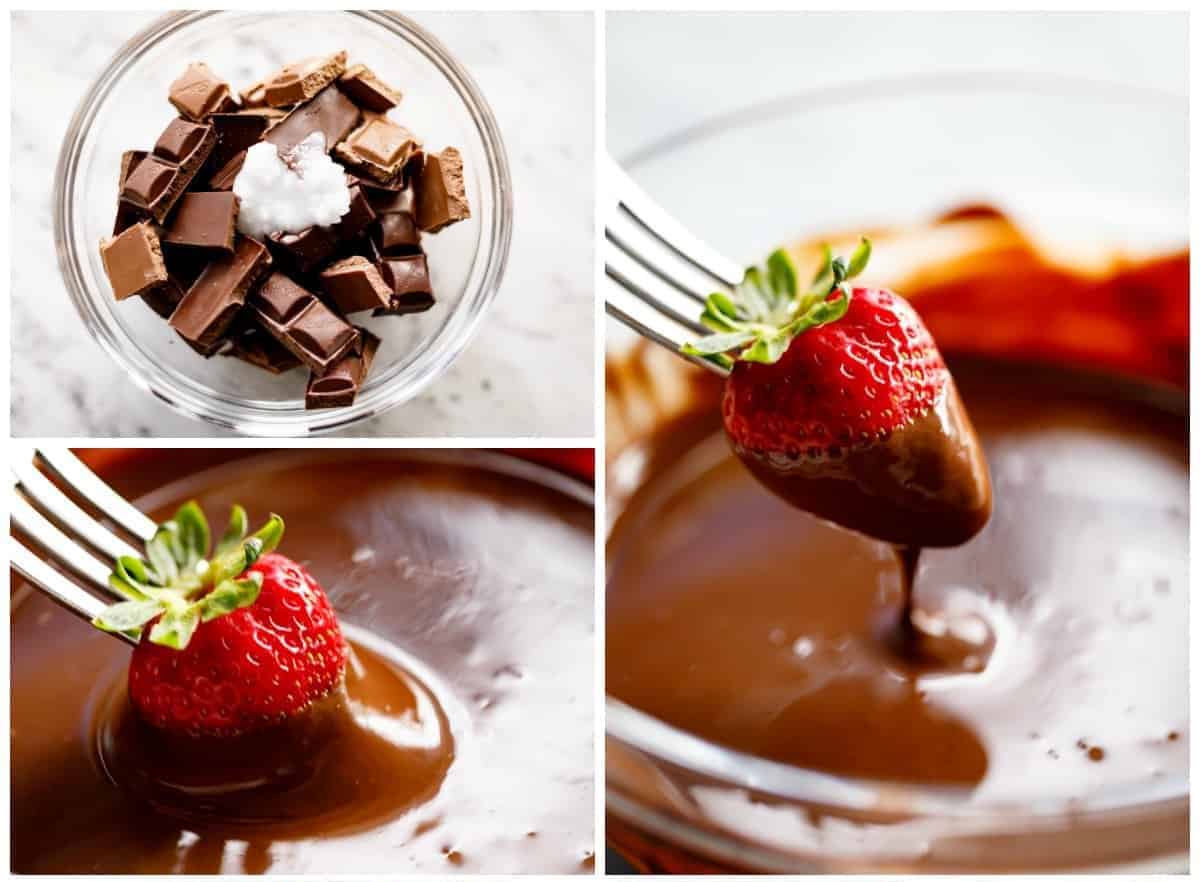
[[657, 273], [69, 536]]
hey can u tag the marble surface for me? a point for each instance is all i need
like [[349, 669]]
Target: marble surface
[[64, 385]]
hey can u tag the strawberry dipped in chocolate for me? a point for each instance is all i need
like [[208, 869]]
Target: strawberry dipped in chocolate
[[839, 402], [228, 644]]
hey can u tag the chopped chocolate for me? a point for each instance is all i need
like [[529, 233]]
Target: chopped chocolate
[[236, 132], [408, 278], [204, 220], [186, 264], [367, 90], [306, 250], [199, 92], [254, 345], [357, 218], [300, 80], [225, 176], [378, 149], [255, 96], [278, 301], [331, 113], [441, 193], [338, 386], [398, 234], [355, 284], [217, 296], [313, 332], [165, 297], [134, 261], [389, 201], [127, 215], [155, 184]]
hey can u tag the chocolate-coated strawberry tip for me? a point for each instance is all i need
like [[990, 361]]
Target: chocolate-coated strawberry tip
[[924, 484], [853, 417]]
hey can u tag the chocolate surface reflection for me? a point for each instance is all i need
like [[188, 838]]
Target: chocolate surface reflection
[[1054, 645], [463, 741]]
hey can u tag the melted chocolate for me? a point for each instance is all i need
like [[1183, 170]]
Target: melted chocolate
[[924, 485], [463, 740], [1052, 646]]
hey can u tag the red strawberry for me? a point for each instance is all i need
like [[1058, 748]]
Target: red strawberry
[[840, 402], [237, 644]]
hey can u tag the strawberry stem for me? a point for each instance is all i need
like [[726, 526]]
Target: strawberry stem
[[177, 584], [767, 310]]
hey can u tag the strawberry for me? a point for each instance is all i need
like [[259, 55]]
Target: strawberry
[[838, 400], [237, 643]]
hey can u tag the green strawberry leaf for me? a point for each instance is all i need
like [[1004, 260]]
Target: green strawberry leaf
[[237, 560], [767, 310], [178, 583], [127, 616], [714, 343], [230, 595], [768, 348], [176, 627], [858, 260], [234, 533], [781, 274]]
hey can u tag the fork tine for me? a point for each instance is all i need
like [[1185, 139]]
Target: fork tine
[[42, 492], [67, 466], [61, 589], [664, 227], [634, 277], [29, 521], [650, 322], [628, 236]]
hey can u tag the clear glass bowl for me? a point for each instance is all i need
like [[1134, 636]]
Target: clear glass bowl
[[127, 108], [1078, 161]]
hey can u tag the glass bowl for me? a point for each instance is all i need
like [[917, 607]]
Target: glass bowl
[[127, 108], [1080, 163]]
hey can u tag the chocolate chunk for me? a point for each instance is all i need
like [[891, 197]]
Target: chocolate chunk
[[357, 218], [330, 112], [155, 184], [165, 297], [186, 264], [355, 284], [306, 250], [388, 201], [236, 132], [312, 331], [441, 193], [367, 90], [199, 93], [378, 149], [300, 80], [255, 96], [227, 174], [338, 386], [254, 345], [409, 281], [134, 261], [127, 214], [217, 296], [204, 220], [398, 234]]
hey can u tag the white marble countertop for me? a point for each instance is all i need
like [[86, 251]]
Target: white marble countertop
[[528, 372]]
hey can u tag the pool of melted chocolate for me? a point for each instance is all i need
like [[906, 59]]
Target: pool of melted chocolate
[[1056, 640], [462, 740]]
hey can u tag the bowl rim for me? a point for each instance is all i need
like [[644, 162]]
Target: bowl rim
[[661, 743], [230, 412]]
